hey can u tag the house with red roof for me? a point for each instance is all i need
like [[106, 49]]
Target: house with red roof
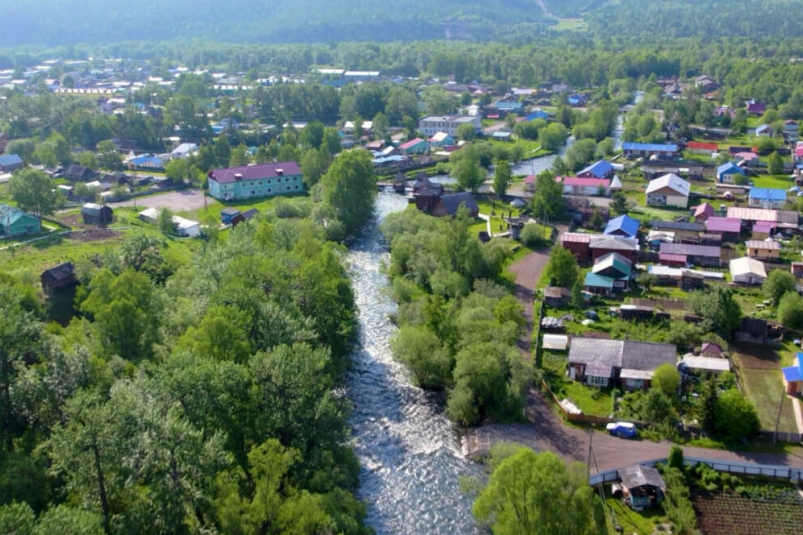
[[699, 147], [703, 212], [415, 146], [251, 181]]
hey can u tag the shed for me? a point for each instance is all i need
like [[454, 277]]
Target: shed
[[97, 214], [186, 227], [711, 365], [149, 215], [793, 376], [228, 214], [747, 270], [642, 485], [555, 342], [58, 277], [555, 296], [764, 249], [245, 216], [727, 171]]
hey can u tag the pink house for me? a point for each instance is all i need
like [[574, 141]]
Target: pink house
[[703, 212], [573, 185]]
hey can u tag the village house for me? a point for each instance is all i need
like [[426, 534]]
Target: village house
[[747, 270], [703, 212], [668, 190], [441, 139], [600, 169], [797, 269], [10, 162], [700, 147], [246, 182], [756, 108], [650, 150], [727, 172], [682, 254], [415, 146], [686, 279], [706, 83], [603, 244], [624, 225], [783, 219], [642, 486], [763, 249], [184, 150], [578, 243], [610, 273], [605, 363], [767, 198], [793, 376], [728, 228], [58, 277], [432, 124], [96, 214], [15, 222], [585, 186]]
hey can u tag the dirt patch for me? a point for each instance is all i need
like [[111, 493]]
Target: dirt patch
[[92, 234], [757, 358], [72, 221]]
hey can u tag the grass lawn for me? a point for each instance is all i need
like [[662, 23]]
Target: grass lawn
[[570, 24], [214, 207], [630, 521], [762, 381], [773, 181]]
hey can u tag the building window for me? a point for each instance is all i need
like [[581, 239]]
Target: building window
[[596, 381]]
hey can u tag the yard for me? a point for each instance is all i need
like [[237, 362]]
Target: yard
[[765, 509], [632, 522], [760, 374]]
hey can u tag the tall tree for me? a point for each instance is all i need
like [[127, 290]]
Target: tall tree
[[535, 493], [719, 309], [502, 177], [777, 284], [349, 186], [548, 198], [562, 267], [35, 192], [775, 164]]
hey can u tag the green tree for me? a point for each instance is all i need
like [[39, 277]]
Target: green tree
[[548, 198], [777, 284], [421, 350], [165, 222], [562, 267], [108, 157], [331, 141], [222, 150], [239, 156], [381, 125], [349, 187], [467, 169], [790, 310], [311, 136], [313, 166], [177, 170], [358, 129], [35, 192], [535, 493], [619, 203], [502, 178], [596, 222], [719, 309], [666, 378], [88, 159], [736, 418], [553, 136], [775, 164], [466, 132]]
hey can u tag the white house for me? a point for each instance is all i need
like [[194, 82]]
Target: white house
[[747, 270], [668, 190], [185, 150], [186, 227], [432, 124]]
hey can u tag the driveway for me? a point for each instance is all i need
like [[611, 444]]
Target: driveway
[[185, 200]]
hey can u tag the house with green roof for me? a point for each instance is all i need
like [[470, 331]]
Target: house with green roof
[[610, 273], [15, 222]]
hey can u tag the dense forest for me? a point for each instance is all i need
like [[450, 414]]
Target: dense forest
[[47, 22]]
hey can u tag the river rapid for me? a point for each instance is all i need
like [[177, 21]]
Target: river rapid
[[409, 451]]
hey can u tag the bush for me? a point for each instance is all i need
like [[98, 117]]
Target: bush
[[531, 236]]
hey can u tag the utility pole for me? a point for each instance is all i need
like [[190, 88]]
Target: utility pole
[[778, 417]]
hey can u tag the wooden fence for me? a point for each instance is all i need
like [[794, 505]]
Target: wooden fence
[[666, 304]]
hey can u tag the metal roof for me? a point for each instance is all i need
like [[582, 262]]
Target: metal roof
[[624, 223], [747, 266], [676, 225], [723, 224], [639, 476], [768, 194], [594, 280], [642, 375], [769, 245], [752, 214], [652, 147], [619, 243], [691, 250], [646, 356], [576, 237], [712, 364]]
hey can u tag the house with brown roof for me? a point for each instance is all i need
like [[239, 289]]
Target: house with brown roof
[[763, 249], [58, 277], [605, 363]]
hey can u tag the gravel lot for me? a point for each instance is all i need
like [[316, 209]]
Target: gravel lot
[[178, 201]]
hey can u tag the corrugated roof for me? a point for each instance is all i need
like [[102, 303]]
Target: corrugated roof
[[584, 182], [651, 147], [768, 194], [723, 224], [254, 172], [576, 237], [593, 280], [677, 225], [665, 257], [637, 476], [625, 223], [747, 266], [752, 214], [768, 245], [618, 243], [691, 250], [671, 181], [598, 169], [707, 363]]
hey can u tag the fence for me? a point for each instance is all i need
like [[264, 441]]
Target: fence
[[589, 419], [731, 467], [666, 304]]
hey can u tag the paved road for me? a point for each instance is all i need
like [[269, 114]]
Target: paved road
[[179, 201]]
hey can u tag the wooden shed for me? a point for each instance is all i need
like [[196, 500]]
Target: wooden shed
[[96, 214], [58, 277]]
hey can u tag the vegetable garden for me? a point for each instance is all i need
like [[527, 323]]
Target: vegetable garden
[[752, 510]]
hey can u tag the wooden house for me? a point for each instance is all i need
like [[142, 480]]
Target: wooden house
[[58, 277]]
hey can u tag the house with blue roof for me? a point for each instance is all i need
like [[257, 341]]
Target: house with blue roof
[[649, 150], [10, 162], [793, 377], [624, 225], [767, 198], [600, 169], [508, 106], [537, 114], [727, 171], [146, 161]]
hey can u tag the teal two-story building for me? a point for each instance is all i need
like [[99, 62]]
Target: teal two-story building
[[15, 222], [248, 182]]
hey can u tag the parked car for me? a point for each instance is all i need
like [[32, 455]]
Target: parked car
[[622, 429]]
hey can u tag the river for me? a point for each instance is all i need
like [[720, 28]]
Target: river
[[409, 451]]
